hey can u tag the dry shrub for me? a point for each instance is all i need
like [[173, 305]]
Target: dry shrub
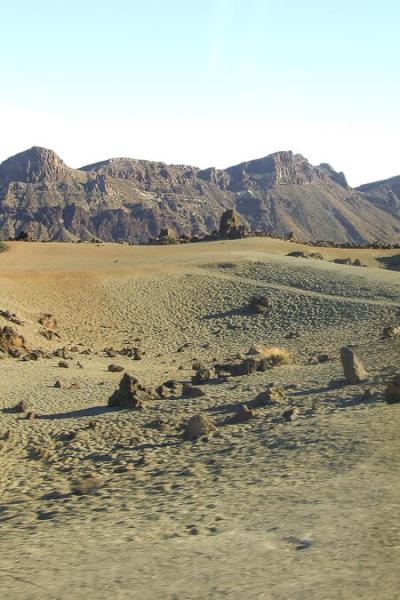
[[274, 355]]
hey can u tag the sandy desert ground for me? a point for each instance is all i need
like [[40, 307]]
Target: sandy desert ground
[[262, 509]]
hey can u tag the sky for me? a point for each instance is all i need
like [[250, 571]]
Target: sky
[[206, 83]]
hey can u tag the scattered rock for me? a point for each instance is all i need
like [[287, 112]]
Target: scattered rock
[[318, 359], [274, 394], [44, 453], [113, 368], [87, 485], [201, 376], [392, 392], [49, 334], [24, 406], [58, 384], [322, 358], [303, 254], [197, 365], [260, 304], [353, 368], [391, 331], [11, 342], [163, 391], [291, 414], [32, 414], [198, 426], [33, 355], [48, 321], [190, 391], [243, 414], [74, 386], [12, 317], [63, 364], [348, 261], [124, 468]]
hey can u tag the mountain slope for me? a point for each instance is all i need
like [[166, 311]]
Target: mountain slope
[[123, 199], [384, 194]]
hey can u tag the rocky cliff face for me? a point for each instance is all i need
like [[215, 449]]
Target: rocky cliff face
[[123, 199]]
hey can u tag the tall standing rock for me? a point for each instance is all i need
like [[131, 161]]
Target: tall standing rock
[[231, 225], [353, 368]]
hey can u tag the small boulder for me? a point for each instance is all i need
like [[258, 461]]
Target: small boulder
[[353, 368], [87, 485], [48, 321], [392, 392], [191, 391], [201, 376], [63, 364], [291, 414], [198, 426], [243, 414], [31, 414], [391, 331], [163, 391], [260, 304], [113, 368], [197, 365], [24, 406], [74, 386], [11, 342], [274, 394]]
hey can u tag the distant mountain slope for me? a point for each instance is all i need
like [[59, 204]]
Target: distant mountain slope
[[384, 194], [124, 199]]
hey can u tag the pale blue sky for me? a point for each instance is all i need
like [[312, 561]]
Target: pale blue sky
[[204, 83]]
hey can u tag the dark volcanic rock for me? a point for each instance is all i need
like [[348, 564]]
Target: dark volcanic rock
[[130, 394], [392, 392]]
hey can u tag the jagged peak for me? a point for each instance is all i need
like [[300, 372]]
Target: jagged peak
[[33, 165]]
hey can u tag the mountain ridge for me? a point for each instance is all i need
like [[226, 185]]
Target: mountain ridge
[[124, 199]]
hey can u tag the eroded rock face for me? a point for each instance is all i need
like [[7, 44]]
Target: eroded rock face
[[353, 368]]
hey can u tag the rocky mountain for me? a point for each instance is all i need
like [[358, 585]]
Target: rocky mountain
[[123, 199]]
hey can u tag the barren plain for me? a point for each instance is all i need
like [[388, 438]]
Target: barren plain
[[100, 502]]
